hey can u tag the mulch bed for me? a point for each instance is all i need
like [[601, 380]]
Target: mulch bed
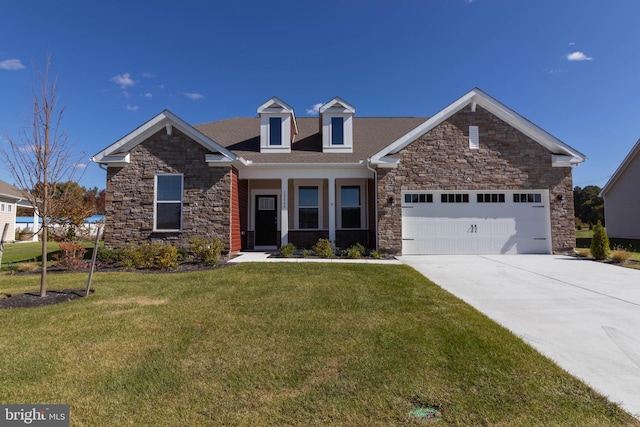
[[33, 299]]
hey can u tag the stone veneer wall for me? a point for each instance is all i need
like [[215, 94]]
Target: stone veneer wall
[[441, 160], [130, 193]]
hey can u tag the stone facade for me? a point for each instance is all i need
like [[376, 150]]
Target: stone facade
[[130, 193], [442, 160]]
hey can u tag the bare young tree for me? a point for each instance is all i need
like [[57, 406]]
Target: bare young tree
[[41, 156]]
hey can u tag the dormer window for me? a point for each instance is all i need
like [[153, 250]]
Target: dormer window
[[278, 126], [275, 131], [337, 130], [336, 120]]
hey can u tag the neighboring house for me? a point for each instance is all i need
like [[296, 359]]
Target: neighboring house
[[10, 198], [475, 178], [89, 228], [622, 198]]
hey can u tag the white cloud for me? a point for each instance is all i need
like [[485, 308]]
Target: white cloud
[[132, 107], [192, 96], [148, 95], [314, 110], [80, 165], [148, 75], [572, 43], [11, 64], [578, 56], [123, 80]]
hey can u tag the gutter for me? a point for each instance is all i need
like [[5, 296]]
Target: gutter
[[375, 196]]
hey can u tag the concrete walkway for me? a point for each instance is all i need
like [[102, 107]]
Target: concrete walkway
[[264, 257], [582, 314]]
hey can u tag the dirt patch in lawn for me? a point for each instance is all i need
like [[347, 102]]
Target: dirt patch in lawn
[[33, 299]]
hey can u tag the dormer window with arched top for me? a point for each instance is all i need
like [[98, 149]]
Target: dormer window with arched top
[[277, 126], [336, 119]]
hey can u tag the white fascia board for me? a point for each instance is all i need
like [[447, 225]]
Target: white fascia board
[[346, 107], [305, 171], [217, 160], [635, 151], [152, 126], [559, 160], [478, 97], [386, 162], [264, 108]]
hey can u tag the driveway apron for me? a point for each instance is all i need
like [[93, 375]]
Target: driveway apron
[[584, 315]]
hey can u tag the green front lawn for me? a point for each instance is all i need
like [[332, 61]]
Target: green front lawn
[[583, 240], [15, 253], [280, 344]]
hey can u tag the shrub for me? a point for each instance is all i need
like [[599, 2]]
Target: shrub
[[27, 267], [146, 255], [70, 256], [324, 248], [208, 251], [375, 254], [287, 250], [583, 253], [306, 253], [165, 257], [579, 224], [356, 251], [109, 255], [620, 256], [600, 243]]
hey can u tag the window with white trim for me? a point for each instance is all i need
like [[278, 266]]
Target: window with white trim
[[351, 206], [474, 137], [168, 202], [308, 207], [337, 131], [275, 131], [9, 207], [1, 207], [490, 198]]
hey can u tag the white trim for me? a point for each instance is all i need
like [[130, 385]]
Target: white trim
[[252, 204], [117, 153], [296, 216], [493, 106], [337, 105], [474, 137], [155, 202], [363, 210]]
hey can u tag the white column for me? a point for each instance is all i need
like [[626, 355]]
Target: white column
[[332, 209], [284, 211], [36, 224]]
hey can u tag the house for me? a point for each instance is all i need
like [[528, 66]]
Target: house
[[622, 198], [10, 198], [475, 178]]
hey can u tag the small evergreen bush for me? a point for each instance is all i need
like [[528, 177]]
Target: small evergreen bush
[[208, 251], [375, 254], [600, 243], [287, 250], [356, 251], [324, 248]]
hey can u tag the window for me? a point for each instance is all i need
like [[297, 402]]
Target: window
[[454, 198], [491, 198], [474, 138], [9, 208], [527, 198], [275, 131], [350, 206], [308, 207], [1, 207], [337, 131], [418, 198], [168, 202]]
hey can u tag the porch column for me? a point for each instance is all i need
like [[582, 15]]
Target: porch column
[[36, 224], [284, 211], [332, 209]]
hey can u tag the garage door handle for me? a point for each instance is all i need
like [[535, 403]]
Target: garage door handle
[[408, 239]]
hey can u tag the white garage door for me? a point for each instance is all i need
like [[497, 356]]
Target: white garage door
[[478, 222]]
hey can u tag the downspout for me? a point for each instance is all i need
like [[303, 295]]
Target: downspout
[[375, 193]]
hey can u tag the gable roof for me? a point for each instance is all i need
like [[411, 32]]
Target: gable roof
[[9, 191], [477, 97], [370, 134], [337, 103], [628, 160], [117, 153]]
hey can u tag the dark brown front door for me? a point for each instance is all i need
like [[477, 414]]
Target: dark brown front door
[[266, 221]]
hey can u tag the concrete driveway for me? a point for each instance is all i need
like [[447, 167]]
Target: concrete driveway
[[582, 314]]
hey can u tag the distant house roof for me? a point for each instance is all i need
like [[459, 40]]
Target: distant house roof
[[635, 152], [9, 191]]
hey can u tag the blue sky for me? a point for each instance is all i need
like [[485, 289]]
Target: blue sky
[[571, 67]]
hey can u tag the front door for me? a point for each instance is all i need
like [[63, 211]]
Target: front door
[[266, 221]]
